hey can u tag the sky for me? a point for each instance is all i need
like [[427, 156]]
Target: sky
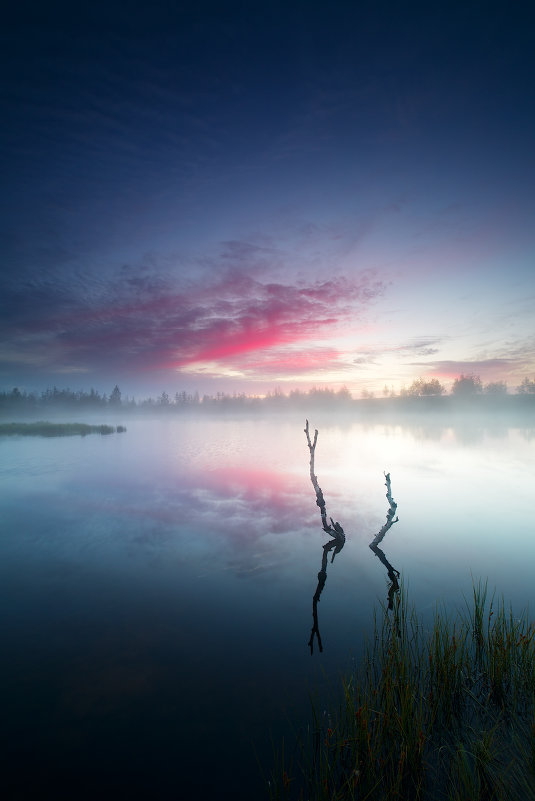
[[249, 196]]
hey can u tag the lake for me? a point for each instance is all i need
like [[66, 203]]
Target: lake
[[157, 585]]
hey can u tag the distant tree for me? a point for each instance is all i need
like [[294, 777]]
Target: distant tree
[[344, 394], [527, 387], [276, 397], [367, 395], [321, 394], [433, 387], [181, 398], [421, 388], [115, 397], [496, 388], [467, 385], [163, 399], [94, 399], [16, 397]]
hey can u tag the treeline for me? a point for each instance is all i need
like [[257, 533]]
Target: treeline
[[463, 386], [429, 392], [65, 399], [61, 398]]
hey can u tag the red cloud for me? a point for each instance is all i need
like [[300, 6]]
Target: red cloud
[[135, 325], [250, 316], [292, 362]]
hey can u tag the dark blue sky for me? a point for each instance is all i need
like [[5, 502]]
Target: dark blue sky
[[244, 195]]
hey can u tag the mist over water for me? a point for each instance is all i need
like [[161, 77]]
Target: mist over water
[[158, 584]]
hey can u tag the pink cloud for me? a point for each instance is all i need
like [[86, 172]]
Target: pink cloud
[[489, 369], [240, 315], [141, 324], [285, 361]]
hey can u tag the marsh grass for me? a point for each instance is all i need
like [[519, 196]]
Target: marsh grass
[[46, 429], [444, 712]]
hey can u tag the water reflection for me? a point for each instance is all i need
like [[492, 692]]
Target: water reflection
[[130, 561], [322, 578], [334, 530], [393, 574]]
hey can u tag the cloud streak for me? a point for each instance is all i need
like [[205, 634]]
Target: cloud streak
[[146, 321], [488, 368], [419, 346], [245, 315]]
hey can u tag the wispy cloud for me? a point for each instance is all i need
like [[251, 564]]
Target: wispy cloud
[[453, 368], [291, 362], [244, 315], [144, 320], [419, 346]]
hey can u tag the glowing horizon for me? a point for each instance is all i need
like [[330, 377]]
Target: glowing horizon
[[244, 223]]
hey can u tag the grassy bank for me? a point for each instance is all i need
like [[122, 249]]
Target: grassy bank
[[45, 429], [443, 712]]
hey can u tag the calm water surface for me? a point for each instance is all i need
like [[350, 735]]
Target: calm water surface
[[157, 586]]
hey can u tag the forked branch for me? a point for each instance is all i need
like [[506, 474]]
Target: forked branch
[[335, 529]]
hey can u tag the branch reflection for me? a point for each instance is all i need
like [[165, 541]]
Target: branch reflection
[[335, 530]]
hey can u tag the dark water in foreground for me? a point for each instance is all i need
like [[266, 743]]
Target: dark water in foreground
[[157, 587]]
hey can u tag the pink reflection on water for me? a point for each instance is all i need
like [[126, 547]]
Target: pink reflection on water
[[268, 500], [238, 504]]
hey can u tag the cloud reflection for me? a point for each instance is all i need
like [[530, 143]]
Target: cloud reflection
[[240, 518]]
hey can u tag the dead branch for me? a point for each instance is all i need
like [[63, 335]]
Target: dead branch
[[335, 529], [393, 574], [389, 515]]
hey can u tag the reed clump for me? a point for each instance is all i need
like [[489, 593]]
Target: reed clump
[[45, 429], [440, 712]]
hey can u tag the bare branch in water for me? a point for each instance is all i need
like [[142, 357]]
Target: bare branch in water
[[335, 529], [393, 574], [389, 515]]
